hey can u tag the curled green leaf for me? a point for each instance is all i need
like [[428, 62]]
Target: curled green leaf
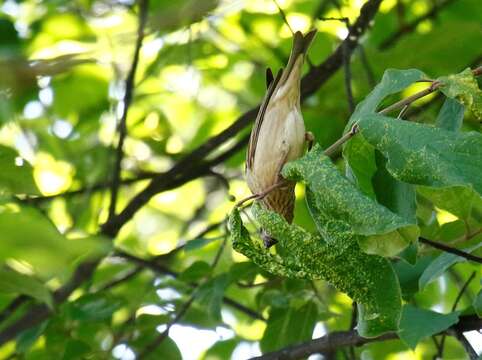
[[367, 279]]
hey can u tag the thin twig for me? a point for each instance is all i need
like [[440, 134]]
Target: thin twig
[[283, 16], [454, 307], [366, 65], [263, 194], [334, 147], [347, 71], [129, 92], [408, 100], [451, 250]]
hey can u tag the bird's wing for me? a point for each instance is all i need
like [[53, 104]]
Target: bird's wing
[[253, 139]]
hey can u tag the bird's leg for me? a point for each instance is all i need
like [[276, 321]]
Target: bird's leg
[[262, 194], [310, 139]]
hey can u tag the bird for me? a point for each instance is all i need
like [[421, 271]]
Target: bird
[[278, 136]]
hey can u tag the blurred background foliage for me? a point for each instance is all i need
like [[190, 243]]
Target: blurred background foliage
[[63, 66]]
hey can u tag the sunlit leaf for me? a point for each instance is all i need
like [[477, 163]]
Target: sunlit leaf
[[13, 282], [16, 175], [26, 234]]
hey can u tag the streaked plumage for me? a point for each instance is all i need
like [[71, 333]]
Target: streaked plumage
[[278, 135]]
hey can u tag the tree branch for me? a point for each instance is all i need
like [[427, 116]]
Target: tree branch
[[451, 250], [340, 339], [129, 92]]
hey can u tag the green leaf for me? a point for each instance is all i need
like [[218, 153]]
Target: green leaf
[[13, 282], [384, 232], [440, 265], [424, 155], [477, 304], [288, 326], [367, 279], [28, 337], [196, 271], [16, 179], [358, 154], [166, 350], [409, 275], [197, 244], [393, 81], [417, 324], [75, 349], [457, 200], [221, 350], [93, 307], [211, 295], [245, 270], [397, 196], [26, 234], [166, 16], [464, 88], [451, 115]]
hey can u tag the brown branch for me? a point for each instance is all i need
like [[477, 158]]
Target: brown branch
[[341, 339], [451, 250], [129, 92]]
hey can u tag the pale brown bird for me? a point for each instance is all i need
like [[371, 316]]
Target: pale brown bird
[[278, 135]]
